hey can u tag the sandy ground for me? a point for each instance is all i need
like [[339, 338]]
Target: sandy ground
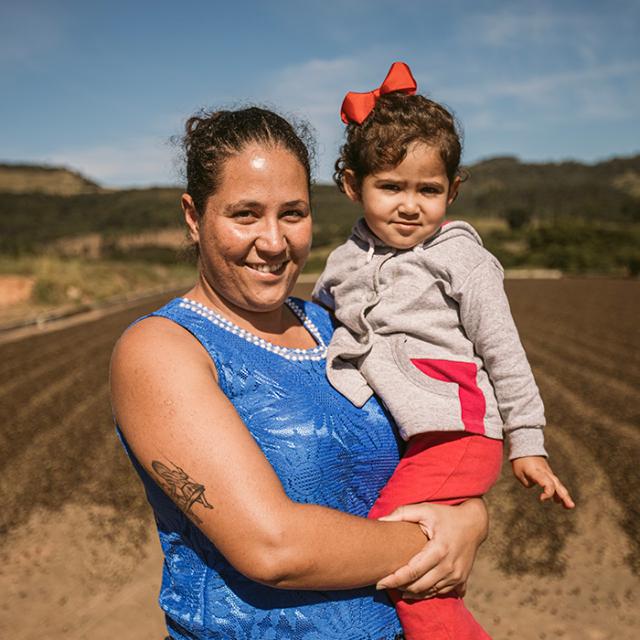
[[79, 558]]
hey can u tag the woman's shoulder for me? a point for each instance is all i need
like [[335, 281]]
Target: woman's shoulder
[[155, 343]]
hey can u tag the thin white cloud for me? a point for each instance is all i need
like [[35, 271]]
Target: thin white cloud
[[506, 26], [532, 36], [519, 25], [140, 162], [589, 85], [315, 89]]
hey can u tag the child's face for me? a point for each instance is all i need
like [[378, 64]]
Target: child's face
[[406, 204]]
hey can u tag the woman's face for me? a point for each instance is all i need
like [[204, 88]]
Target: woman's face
[[255, 233]]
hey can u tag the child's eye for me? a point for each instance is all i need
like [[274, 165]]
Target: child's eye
[[390, 187]]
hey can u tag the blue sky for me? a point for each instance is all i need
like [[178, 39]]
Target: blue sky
[[102, 86]]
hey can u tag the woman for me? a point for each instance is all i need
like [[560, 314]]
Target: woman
[[258, 472]]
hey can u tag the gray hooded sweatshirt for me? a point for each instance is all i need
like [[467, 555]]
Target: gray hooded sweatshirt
[[429, 330]]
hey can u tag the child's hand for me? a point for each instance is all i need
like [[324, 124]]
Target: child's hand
[[532, 470]]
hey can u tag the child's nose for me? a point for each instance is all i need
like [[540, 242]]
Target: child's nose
[[409, 206]]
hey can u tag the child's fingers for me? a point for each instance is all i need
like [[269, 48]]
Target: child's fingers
[[563, 495], [524, 481], [553, 488], [548, 487]]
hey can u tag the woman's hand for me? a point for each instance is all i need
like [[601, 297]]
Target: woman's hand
[[454, 536]]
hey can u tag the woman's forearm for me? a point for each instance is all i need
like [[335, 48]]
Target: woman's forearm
[[320, 548], [326, 549]]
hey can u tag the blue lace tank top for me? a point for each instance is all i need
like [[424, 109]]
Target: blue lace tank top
[[324, 450]]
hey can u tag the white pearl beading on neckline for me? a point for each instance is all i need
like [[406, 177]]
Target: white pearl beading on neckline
[[319, 352]]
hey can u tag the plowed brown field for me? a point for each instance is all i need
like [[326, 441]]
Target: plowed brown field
[[79, 558]]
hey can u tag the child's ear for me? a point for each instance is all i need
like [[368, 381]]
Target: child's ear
[[351, 187], [191, 217], [453, 190]]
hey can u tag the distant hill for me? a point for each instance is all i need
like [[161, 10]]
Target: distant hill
[[606, 193], [31, 221], [26, 178]]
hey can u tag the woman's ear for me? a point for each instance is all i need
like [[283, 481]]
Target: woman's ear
[[453, 190], [191, 217], [351, 187]]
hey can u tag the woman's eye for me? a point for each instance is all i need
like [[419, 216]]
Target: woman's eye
[[294, 213], [243, 214]]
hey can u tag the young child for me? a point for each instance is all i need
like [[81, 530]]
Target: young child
[[425, 324]]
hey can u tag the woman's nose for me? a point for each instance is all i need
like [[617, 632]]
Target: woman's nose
[[271, 238]]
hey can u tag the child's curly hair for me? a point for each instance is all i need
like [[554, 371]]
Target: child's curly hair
[[396, 121]]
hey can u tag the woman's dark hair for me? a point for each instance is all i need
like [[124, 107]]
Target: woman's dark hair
[[211, 137], [396, 121]]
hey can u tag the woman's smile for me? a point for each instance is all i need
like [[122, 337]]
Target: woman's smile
[[275, 268], [255, 232]]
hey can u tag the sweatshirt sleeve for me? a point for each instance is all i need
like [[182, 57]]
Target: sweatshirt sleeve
[[487, 320], [333, 274], [322, 292]]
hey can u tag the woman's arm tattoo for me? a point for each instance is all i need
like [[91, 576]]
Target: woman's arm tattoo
[[181, 488]]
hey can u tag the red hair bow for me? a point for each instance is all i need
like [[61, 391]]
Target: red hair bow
[[357, 106]]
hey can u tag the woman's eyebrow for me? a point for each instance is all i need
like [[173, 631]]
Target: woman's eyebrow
[[243, 204], [295, 203]]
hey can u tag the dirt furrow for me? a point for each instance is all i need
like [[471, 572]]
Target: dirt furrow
[[76, 460], [596, 348], [592, 582], [544, 572], [614, 447], [589, 387], [26, 353], [598, 335], [596, 353], [604, 374], [601, 311], [48, 406], [38, 377]]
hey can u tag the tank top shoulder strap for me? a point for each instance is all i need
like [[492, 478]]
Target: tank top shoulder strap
[[315, 314], [181, 311], [212, 331], [197, 325]]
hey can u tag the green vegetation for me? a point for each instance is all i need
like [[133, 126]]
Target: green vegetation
[[572, 246], [30, 222], [59, 282], [604, 192], [568, 216]]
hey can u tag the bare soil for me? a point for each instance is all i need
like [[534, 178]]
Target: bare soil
[[78, 552], [15, 290]]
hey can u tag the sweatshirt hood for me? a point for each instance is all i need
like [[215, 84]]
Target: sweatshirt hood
[[452, 229], [447, 231]]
